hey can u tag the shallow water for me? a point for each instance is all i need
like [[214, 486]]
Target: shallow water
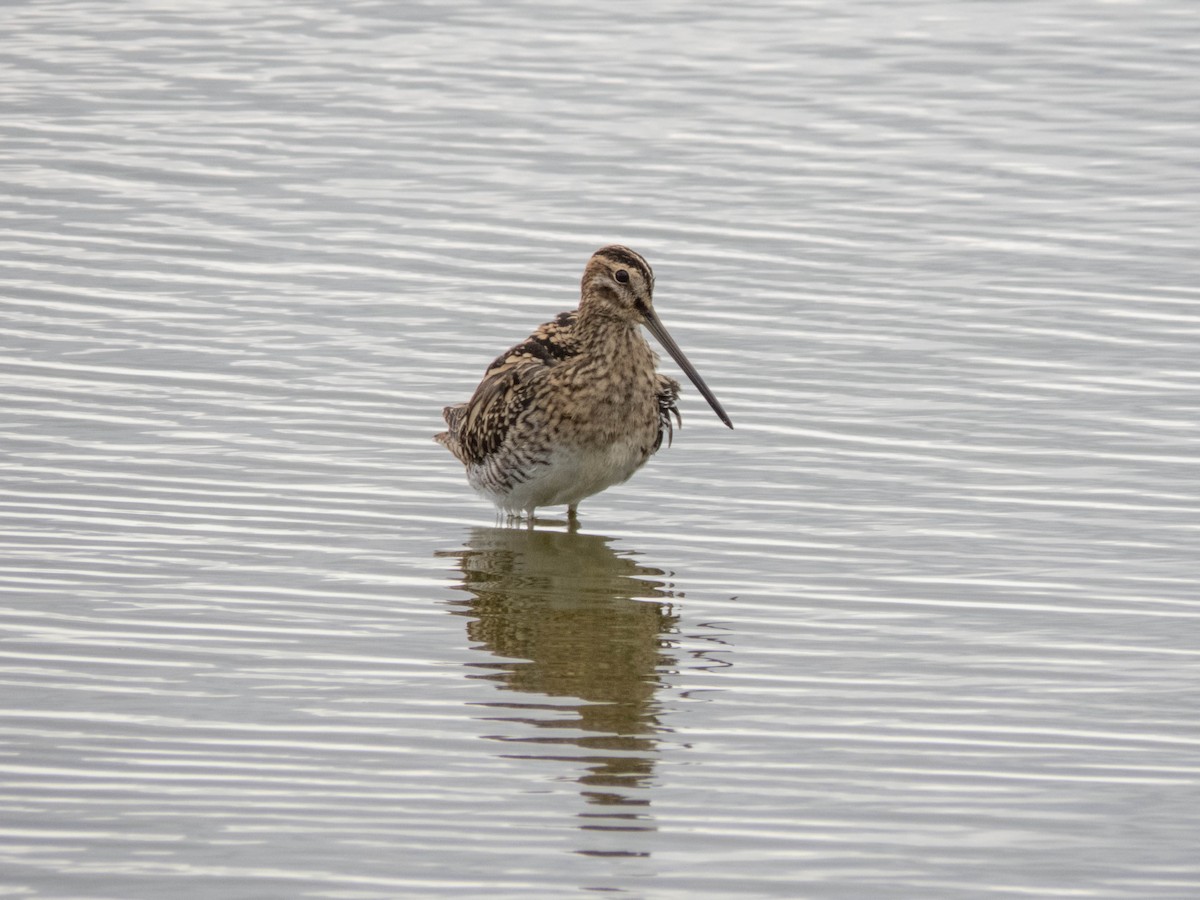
[[925, 624]]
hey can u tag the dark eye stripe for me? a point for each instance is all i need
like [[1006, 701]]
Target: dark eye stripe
[[624, 257]]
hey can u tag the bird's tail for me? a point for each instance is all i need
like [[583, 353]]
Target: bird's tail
[[449, 438]]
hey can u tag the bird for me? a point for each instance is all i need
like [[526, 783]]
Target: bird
[[579, 405]]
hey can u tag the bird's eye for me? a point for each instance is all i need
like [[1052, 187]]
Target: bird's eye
[[622, 276]]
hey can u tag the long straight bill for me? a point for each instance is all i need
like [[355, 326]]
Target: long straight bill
[[660, 333]]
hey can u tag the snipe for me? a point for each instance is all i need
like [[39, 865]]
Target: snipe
[[578, 406]]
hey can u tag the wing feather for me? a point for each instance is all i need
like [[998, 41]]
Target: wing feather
[[477, 428], [668, 399]]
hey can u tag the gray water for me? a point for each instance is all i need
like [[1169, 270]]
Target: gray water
[[924, 625]]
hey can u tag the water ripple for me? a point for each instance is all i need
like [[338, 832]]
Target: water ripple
[[917, 627]]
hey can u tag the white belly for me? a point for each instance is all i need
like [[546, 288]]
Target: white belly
[[570, 475]]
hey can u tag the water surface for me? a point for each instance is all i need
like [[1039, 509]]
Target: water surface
[[925, 624]]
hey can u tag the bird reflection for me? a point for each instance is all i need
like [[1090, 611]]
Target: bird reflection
[[566, 617]]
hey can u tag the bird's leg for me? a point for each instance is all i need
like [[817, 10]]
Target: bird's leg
[[573, 513]]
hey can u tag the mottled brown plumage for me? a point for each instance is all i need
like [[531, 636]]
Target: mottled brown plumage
[[577, 406]]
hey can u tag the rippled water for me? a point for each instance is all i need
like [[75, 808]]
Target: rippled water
[[926, 624]]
